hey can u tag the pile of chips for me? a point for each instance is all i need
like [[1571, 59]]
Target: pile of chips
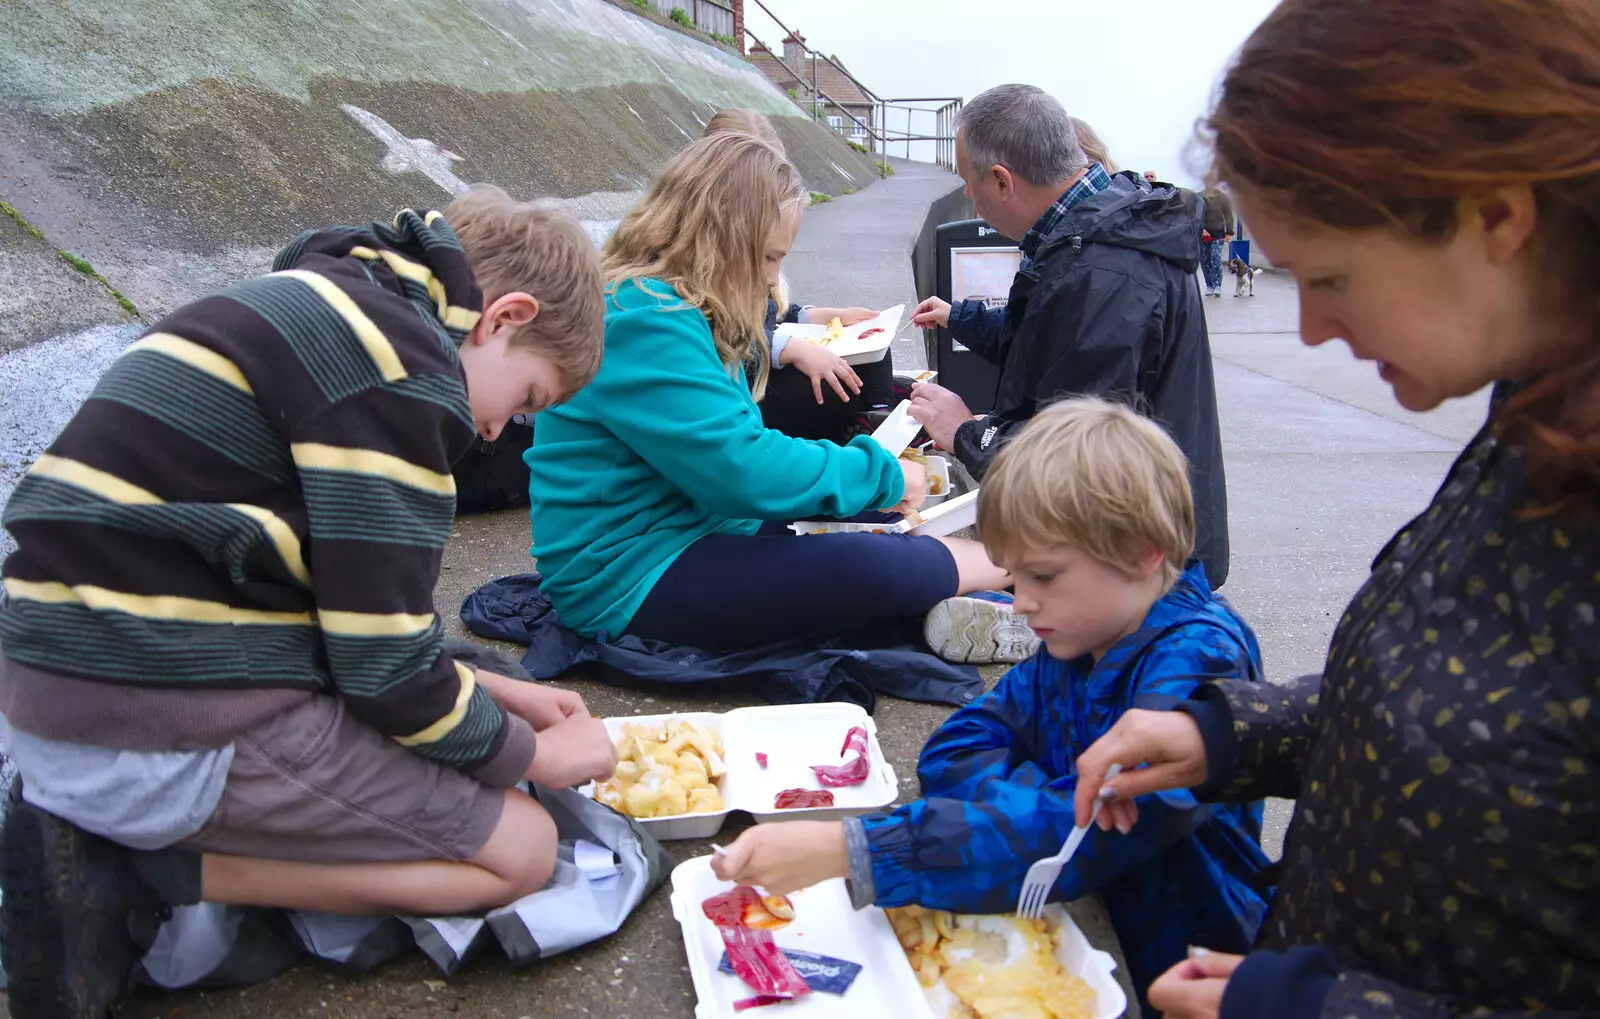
[[664, 769]]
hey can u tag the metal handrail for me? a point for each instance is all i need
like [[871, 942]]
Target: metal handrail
[[944, 138], [836, 65]]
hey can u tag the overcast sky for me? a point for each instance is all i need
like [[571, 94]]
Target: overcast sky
[[1141, 72]]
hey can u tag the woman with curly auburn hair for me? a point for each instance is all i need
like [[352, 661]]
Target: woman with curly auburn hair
[[1430, 174]]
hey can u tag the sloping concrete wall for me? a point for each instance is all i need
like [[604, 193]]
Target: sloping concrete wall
[[175, 144], [43, 291], [154, 150]]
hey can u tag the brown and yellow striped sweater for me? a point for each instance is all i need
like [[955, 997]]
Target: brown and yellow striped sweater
[[256, 497]]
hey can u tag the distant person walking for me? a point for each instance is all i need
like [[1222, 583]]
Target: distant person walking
[[1217, 234]]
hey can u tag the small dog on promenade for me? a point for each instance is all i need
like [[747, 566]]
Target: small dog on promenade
[[1244, 277]]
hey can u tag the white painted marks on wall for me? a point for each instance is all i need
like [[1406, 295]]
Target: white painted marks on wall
[[419, 155], [410, 155]]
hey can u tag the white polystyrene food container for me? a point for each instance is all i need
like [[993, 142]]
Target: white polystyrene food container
[[850, 345], [913, 378], [947, 518], [848, 527], [938, 477], [825, 923], [898, 430], [1076, 956], [794, 737]]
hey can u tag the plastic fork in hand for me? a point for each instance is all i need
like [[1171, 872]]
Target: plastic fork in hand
[[1043, 874]]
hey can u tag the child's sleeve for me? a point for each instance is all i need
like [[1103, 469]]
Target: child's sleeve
[[972, 855], [776, 344], [968, 847], [988, 740]]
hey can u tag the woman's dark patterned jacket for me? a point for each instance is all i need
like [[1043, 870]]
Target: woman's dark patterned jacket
[[1444, 859]]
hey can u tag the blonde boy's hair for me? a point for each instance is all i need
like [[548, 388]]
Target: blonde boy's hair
[[537, 248], [1094, 476], [739, 121], [704, 227]]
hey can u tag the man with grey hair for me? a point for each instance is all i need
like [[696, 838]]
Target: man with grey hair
[[1105, 301]]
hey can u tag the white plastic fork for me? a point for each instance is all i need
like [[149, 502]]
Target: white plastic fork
[[1043, 874]]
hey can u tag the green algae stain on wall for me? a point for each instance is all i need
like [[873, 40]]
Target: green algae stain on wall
[[70, 56]]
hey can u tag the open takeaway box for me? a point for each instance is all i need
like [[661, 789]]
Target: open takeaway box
[[760, 752], [829, 938]]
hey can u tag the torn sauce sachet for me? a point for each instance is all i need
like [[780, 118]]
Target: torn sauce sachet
[[746, 919], [853, 773]]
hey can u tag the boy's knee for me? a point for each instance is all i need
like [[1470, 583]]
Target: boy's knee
[[525, 843]]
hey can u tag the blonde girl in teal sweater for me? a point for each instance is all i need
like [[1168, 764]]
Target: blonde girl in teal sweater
[[659, 498]]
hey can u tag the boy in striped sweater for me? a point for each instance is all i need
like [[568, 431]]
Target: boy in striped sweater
[[221, 674]]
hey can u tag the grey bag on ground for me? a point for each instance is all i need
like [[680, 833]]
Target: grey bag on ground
[[211, 946]]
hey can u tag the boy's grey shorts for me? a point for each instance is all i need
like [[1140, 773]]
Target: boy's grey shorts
[[314, 785]]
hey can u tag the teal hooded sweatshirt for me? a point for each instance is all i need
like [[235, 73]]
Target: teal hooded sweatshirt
[[664, 447]]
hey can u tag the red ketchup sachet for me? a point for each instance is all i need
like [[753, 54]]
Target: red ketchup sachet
[[761, 759], [746, 919], [791, 798], [853, 773]]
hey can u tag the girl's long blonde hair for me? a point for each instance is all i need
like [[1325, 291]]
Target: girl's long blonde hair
[[703, 227], [1091, 144]]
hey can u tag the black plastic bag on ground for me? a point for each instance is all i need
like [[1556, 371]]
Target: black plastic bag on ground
[[884, 657]]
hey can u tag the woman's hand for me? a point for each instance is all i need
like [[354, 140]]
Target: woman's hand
[[916, 491], [784, 858], [820, 365], [1193, 988], [846, 316], [1157, 750]]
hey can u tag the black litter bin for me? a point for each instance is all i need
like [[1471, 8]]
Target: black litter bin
[[974, 262]]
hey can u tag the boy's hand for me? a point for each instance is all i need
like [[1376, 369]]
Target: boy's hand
[[784, 858], [573, 752], [541, 706]]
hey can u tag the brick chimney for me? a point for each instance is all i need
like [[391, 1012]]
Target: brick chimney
[[738, 24], [794, 54]]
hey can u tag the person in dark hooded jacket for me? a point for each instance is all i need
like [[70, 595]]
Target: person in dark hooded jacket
[[1105, 302]]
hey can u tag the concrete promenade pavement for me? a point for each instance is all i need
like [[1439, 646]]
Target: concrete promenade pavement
[[1322, 468]]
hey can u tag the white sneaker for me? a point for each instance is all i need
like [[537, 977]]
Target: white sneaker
[[979, 631]]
